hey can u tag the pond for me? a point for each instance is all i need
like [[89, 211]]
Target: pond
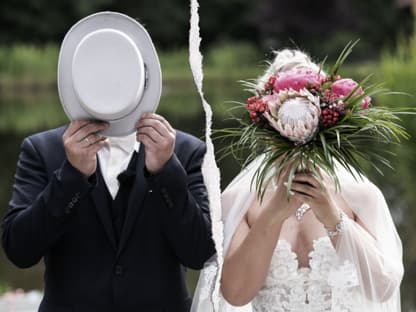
[[23, 112]]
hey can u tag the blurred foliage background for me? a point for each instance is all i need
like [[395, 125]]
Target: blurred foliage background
[[238, 36]]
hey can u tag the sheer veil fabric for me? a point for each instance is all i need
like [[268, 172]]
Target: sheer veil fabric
[[374, 248]]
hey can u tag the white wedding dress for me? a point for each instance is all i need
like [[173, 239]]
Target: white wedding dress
[[361, 274], [326, 285]]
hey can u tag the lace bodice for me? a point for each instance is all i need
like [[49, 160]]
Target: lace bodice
[[327, 286]]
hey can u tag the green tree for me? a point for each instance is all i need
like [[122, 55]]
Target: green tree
[[41, 21], [323, 27], [168, 20]]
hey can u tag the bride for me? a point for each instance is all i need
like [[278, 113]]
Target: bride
[[324, 250]]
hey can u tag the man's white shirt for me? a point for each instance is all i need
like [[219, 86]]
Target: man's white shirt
[[114, 159]]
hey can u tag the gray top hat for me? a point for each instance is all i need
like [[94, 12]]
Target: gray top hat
[[108, 70]]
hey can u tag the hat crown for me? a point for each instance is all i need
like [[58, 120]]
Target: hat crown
[[108, 68]]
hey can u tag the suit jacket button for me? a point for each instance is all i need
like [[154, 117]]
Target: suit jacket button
[[119, 269]]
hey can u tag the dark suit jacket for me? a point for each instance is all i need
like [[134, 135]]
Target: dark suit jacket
[[57, 214]]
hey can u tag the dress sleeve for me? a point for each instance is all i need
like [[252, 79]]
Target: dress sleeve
[[371, 243]]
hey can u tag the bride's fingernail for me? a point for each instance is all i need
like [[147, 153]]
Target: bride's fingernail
[[285, 184]]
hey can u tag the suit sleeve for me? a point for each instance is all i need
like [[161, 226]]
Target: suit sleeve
[[40, 207], [185, 209]]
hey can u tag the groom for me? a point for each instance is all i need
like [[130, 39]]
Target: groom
[[115, 231]]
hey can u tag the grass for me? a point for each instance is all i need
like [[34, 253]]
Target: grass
[[4, 288], [28, 64], [398, 70]]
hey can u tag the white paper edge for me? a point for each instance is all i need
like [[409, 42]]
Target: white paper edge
[[210, 170]]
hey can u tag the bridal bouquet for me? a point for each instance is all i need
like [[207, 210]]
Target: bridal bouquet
[[311, 120]]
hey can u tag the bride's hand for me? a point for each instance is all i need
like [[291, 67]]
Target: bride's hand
[[280, 205], [307, 189]]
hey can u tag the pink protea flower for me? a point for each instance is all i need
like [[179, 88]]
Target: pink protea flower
[[271, 100], [294, 114], [344, 87], [297, 79]]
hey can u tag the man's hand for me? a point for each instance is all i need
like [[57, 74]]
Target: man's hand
[[81, 143], [158, 137]]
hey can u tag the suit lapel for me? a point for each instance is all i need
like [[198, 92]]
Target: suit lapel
[[101, 205], [137, 195]]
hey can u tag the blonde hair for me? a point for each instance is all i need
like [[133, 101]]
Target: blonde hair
[[287, 59]]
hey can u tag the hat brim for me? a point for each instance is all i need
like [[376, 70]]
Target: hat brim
[[152, 92]]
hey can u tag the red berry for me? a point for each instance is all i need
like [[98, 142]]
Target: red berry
[[272, 80], [251, 100]]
